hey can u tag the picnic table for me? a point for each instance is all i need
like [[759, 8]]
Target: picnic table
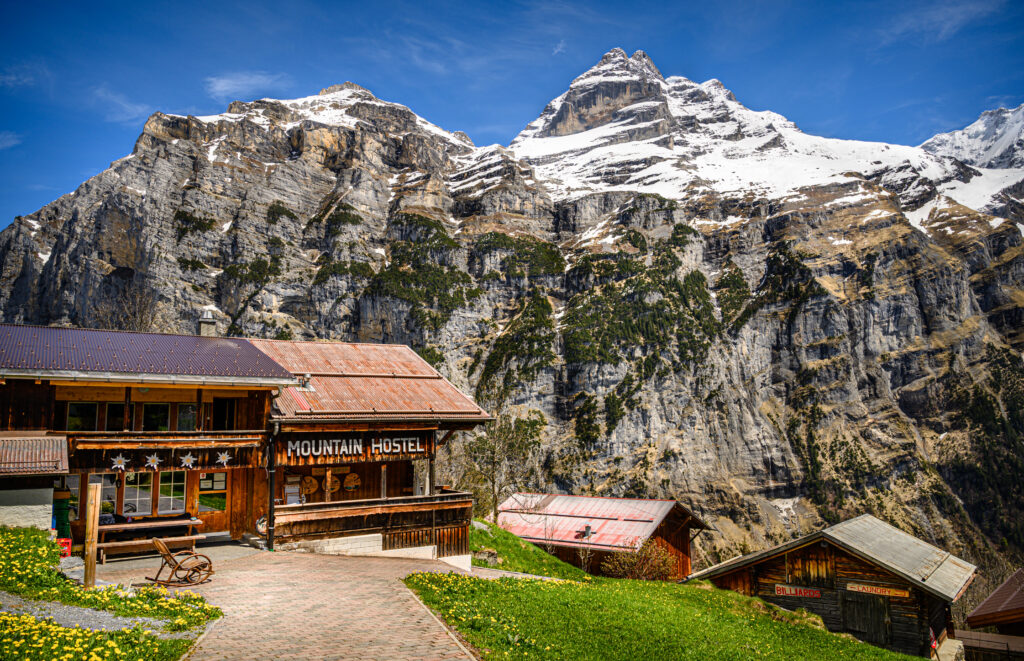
[[188, 539]]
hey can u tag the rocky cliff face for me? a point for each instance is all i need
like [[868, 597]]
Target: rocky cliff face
[[702, 301]]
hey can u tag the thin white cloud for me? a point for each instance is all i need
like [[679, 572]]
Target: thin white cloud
[[244, 84], [937, 21], [119, 108], [24, 75], [8, 139], [560, 48]]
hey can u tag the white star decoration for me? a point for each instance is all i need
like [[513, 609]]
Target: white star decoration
[[153, 461], [187, 460], [223, 458], [120, 463]]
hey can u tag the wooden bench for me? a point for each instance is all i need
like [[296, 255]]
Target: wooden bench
[[147, 527], [145, 544]]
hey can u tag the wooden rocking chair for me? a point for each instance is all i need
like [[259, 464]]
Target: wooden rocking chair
[[186, 567]]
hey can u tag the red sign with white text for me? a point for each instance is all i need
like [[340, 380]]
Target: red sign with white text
[[797, 591]]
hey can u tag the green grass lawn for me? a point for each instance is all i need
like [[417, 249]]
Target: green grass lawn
[[518, 555], [604, 618], [27, 568]]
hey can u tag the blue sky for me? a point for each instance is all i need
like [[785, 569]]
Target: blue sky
[[77, 82]]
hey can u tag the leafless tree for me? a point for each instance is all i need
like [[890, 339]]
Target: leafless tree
[[498, 458], [133, 309]]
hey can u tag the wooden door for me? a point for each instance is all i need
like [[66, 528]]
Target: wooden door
[[214, 500], [866, 616]]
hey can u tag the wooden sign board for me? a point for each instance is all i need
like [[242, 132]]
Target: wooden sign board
[[350, 448], [797, 591], [877, 589]]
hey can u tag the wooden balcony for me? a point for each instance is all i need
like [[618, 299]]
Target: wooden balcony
[[440, 519]]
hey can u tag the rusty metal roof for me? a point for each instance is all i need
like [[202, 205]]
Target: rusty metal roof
[[615, 523], [934, 570], [33, 455], [1005, 604], [352, 381], [101, 355]]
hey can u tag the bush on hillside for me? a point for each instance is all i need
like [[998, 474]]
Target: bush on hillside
[[650, 562]]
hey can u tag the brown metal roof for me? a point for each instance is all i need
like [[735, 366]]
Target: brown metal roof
[[615, 523], [1005, 604], [33, 455], [80, 354], [349, 381]]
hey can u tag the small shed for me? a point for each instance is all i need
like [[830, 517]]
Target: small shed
[[863, 577], [1003, 609], [28, 463], [585, 530]]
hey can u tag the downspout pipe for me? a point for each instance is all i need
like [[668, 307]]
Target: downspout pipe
[[271, 470]]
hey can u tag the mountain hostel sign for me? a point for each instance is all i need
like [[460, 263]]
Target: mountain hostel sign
[[306, 450]]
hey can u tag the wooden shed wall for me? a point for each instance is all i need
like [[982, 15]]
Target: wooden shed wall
[[830, 570]]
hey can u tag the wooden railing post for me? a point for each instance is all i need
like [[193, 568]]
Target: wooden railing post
[[92, 520]]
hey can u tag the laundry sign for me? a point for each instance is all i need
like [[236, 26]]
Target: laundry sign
[[797, 591], [877, 589]]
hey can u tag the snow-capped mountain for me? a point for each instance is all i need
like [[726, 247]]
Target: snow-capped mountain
[[698, 299], [995, 140]]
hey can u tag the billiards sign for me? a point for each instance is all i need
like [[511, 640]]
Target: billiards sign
[[796, 591]]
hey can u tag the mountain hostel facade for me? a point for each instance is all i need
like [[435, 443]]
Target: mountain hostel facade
[[863, 577], [191, 436]]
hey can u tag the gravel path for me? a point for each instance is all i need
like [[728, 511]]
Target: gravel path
[[87, 618]]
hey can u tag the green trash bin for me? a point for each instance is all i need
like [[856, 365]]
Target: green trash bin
[[61, 507]]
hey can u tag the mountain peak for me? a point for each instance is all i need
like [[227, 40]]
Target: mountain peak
[[347, 85], [994, 140]]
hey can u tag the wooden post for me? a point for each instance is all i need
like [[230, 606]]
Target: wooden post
[[92, 520], [328, 497], [430, 475], [199, 409], [383, 481]]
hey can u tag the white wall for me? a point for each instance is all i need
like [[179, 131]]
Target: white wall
[[26, 508]]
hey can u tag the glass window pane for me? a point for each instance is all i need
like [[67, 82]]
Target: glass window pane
[[156, 417], [115, 417], [172, 492], [138, 494], [212, 502], [212, 494], [186, 417], [108, 493], [81, 416]]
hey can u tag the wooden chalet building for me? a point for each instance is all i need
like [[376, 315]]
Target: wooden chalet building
[[863, 577], [345, 442], [199, 434], [1004, 610], [585, 530]]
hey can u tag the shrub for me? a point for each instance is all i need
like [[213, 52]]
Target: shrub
[[650, 562], [277, 210], [186, 264], [187, 223]]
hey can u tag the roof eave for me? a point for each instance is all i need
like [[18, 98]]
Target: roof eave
[[144, 377]]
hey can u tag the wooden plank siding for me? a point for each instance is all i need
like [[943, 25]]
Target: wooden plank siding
[[897, 622]]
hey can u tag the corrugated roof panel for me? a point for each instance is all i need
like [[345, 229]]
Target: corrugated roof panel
[[52, 350], [620, 523], [33, 455], [365, 381]]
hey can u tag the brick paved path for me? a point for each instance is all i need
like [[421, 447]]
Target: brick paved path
[[306, 606]]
